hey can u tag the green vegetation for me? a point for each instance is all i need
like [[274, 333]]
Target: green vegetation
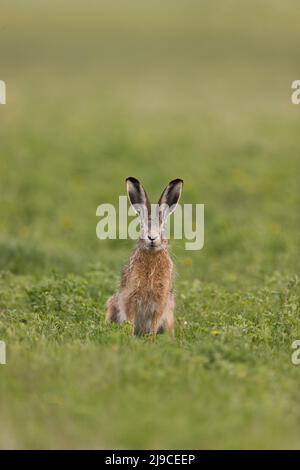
[[100, 91]]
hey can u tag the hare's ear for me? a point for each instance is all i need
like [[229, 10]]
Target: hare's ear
[[138, 198], [169, 199]]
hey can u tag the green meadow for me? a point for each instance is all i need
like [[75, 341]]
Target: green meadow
[[96, 92]]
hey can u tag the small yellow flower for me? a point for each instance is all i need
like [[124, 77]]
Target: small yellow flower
[[188, 262], [215, 332], [66, 222]]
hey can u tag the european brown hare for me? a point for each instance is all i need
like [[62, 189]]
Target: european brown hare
[[145, 296]]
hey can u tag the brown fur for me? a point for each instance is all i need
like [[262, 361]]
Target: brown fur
[[145, 297], [145, 294]]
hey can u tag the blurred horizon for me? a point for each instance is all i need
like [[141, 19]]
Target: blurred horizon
[[107, 89]]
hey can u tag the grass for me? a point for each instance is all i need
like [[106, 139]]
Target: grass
[[158, 91]]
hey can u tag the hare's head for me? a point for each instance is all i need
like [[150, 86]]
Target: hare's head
[[153, 223]]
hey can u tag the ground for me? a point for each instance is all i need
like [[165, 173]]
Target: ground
[[99, 93]]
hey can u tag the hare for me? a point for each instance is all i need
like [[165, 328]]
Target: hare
[[145, 297]]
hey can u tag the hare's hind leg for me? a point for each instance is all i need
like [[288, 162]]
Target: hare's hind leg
[[166, 322], [114, 313], [112, 309]]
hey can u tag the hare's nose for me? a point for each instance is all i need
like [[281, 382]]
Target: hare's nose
[[151, 238]]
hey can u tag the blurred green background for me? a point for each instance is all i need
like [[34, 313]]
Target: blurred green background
[[98, 91]]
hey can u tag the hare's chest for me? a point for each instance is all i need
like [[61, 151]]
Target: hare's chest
[[153, 281]]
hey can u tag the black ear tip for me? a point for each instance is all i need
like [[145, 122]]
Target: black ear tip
[[176, 181], [132, 180]]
